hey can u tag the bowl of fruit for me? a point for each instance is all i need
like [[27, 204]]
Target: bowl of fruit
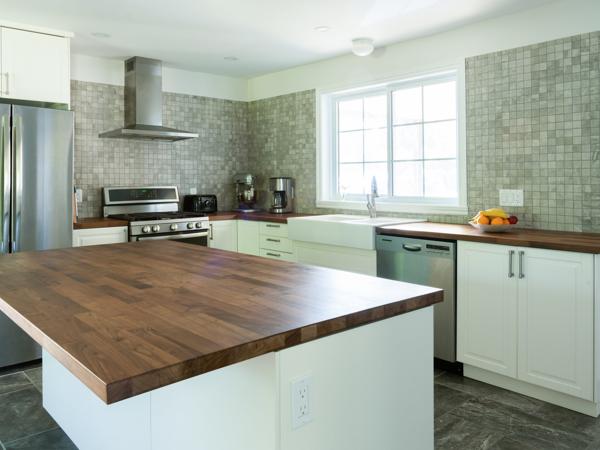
[[494, 220]]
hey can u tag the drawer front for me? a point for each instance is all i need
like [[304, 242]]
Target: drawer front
[[276, 243], [273, 229], [277, 255]]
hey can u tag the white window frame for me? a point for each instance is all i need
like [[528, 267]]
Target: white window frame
[[327, 166]]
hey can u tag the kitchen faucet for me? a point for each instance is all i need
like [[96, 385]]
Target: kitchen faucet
[[371, 199]]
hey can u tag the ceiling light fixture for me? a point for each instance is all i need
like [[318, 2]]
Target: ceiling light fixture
[[322, 28], [362, 46], [100, 34], [230, 58]]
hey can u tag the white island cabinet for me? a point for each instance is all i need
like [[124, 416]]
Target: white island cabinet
[[526, 321], [34, 66]]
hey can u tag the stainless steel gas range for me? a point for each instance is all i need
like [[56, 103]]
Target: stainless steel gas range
[[153, 213]]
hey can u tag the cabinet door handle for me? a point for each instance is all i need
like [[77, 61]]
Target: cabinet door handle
[[521, 272], [273, 240], [273, 254], [511, 272], [211, 231]]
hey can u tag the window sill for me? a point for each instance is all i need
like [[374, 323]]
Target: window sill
[[396, 207]]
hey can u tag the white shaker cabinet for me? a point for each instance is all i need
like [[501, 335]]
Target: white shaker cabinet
[[528, 314], [248, 240], [487, 308], [34, 66], [223, 235], [99, 236], [556, 321]]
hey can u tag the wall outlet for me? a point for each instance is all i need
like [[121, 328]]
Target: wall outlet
[[79, 195], [511, 197], [301, 401], [193, 191]]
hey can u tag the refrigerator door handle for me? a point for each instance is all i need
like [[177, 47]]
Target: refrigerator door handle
[[17, 182], [6, 181]]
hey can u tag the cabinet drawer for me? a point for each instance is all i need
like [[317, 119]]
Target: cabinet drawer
[[277, 255], [276, 243], [273, 229]]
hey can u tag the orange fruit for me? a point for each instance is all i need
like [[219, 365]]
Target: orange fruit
[[497, 221], [506, 222], [483, 220]]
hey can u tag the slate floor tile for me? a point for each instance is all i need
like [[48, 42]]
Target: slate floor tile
[[13, 382], [22, 414], [35, 376], [54, 439], [570, 419], [472, 387], [447, 399], [455, 433]]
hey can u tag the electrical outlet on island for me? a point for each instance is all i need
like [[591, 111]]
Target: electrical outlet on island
[[301, 401]]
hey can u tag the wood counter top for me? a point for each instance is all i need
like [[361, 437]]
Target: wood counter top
[[522, 237], [98, 222], [129, 318]]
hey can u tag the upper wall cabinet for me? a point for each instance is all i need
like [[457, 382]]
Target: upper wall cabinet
[[34, 66]]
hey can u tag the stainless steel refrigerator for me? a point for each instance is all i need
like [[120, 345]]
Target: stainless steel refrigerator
[[36, 174]]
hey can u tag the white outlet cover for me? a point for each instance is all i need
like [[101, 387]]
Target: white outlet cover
[[511, 197], [301, 391], [193, 191], [79, 195]]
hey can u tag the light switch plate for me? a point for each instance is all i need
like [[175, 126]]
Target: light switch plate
[[511, 197], [79, 195], [193, 191]]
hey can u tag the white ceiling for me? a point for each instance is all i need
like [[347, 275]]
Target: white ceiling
[[266, 35]]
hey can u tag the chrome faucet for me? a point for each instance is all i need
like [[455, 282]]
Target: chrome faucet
[[371, 199]]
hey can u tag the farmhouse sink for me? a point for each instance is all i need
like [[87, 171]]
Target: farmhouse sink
[[340, 229]]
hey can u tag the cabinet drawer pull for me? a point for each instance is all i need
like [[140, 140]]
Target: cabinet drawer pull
[[273, 254], [270, 225], [521, 272], [511, 272], [273, 240]]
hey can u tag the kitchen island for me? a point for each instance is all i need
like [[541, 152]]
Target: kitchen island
[[160, 344]]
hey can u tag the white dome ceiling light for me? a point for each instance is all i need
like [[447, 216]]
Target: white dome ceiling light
[[362, 46]]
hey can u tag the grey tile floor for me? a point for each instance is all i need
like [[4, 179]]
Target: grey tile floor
[[469, 415]]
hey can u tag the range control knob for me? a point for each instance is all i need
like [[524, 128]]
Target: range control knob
[[198, 225], [190, 225], [155, 228], [146, 229], [173, 227]]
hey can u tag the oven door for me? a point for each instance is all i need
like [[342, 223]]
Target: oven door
[[195, 238]]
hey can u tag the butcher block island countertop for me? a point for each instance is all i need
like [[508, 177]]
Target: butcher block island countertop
[[130, 318]]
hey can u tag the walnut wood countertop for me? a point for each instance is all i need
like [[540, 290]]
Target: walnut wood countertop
[[98, 222], [522, 237], [129, 318]]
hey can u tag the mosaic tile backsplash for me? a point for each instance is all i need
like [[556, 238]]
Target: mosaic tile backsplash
[[207, 163], [533, 123]]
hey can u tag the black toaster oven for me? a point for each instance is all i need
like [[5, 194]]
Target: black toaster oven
[[200, 203]]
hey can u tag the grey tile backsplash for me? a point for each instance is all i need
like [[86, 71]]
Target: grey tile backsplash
[[533, 123]]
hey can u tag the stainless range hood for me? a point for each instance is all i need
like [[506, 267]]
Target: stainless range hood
[[143, 104]]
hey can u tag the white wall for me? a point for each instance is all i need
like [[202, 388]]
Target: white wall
[[110, 71], [548, 22]]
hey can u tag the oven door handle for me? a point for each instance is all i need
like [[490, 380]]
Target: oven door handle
[[173, 236]]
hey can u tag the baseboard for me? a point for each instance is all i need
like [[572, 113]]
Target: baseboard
[[556, 398]]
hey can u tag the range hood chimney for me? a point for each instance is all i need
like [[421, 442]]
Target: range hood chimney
[[143, 104]]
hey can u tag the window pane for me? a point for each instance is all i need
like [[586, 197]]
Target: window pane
[[439, 101], [351, 146], [406, 106], [351, 179], [407, 142], [350, 115], [379, 171], [375, 111], [408, 179], [440, 139], [441, 179], [376, 145]]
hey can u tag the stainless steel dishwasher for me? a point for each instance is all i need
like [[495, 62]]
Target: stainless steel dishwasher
[[430, 263]]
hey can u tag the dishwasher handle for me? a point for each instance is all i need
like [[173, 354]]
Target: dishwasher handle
[[412, 247]]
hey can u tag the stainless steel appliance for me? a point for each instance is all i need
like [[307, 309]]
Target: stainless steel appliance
[[153, 213], [430, 263], [36, 173], [143, 104], [282, 195], [205, 204], [245, 192]]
